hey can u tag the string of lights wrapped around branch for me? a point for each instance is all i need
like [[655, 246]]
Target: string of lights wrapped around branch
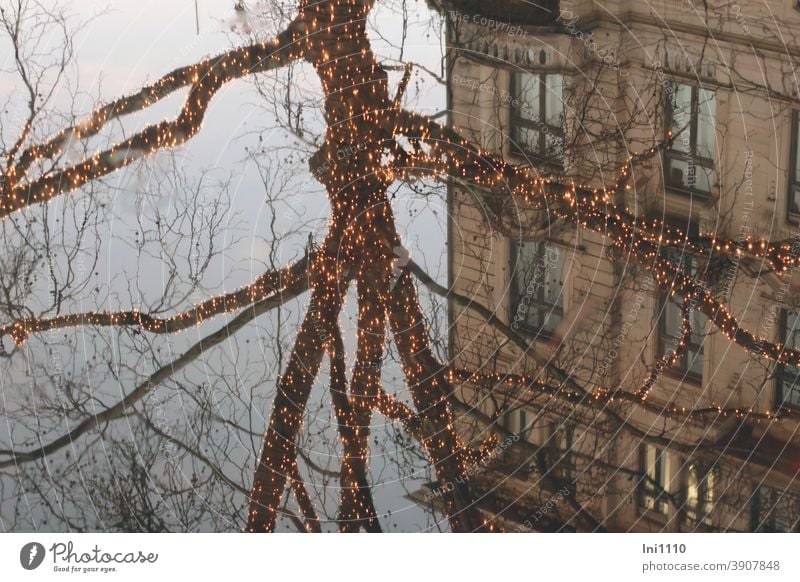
[[266, 285], [356, 507], [519, 385], [447, 154], [645, 240], [203, 79], [668, 359]]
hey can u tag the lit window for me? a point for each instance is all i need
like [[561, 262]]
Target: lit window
[[524, 427], [562, 440], [512, 419], [515, 421], [537, 287], [774, 510], [689, 162], [787, 391], [654, 466], [537, 116], [699, 493]]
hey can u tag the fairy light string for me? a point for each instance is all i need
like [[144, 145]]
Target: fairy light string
[[520, 386], [204, 79], [673, 354], [643, 239], [278, 451], [356, 506], [266, 285]]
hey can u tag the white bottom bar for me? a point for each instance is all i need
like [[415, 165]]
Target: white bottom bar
[[618, 557]]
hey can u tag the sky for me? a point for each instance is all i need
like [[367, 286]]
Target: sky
[[128, 43]]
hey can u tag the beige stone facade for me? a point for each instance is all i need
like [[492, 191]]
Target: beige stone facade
[[574, 95]]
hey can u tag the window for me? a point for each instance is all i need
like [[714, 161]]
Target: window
[[787, 389], [537, 287], [698, 492], [654, 466], [689, 364], [774, 510], [689, 162], [515, 421], [562, 440], [524, 427], [537, 116], [794, 166]]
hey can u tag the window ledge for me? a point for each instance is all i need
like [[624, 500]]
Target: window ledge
[[787, 407], [537, 335], [694, 525], [546, 165], [653, 514], [685, 192], [684, 377]]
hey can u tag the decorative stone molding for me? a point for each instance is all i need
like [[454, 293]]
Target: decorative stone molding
[[675, 60], [542, 51]]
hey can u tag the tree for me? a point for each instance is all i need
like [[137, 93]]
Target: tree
[[360, 159]]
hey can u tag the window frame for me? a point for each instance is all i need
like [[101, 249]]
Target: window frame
[[562, 437], [680, 369], [776, 497], [793, 183], [781, 373], [544, 311], [525, 427], [692, 158], [647, 498], [515, 421], [517, 121], [701, 512]]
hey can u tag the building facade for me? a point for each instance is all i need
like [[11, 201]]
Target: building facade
[[572, 88]]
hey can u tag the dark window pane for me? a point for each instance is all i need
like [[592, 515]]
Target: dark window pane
[[671, 324], [689, 163], [537, 116], [775, 510], [788, 377], [538, 283]]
